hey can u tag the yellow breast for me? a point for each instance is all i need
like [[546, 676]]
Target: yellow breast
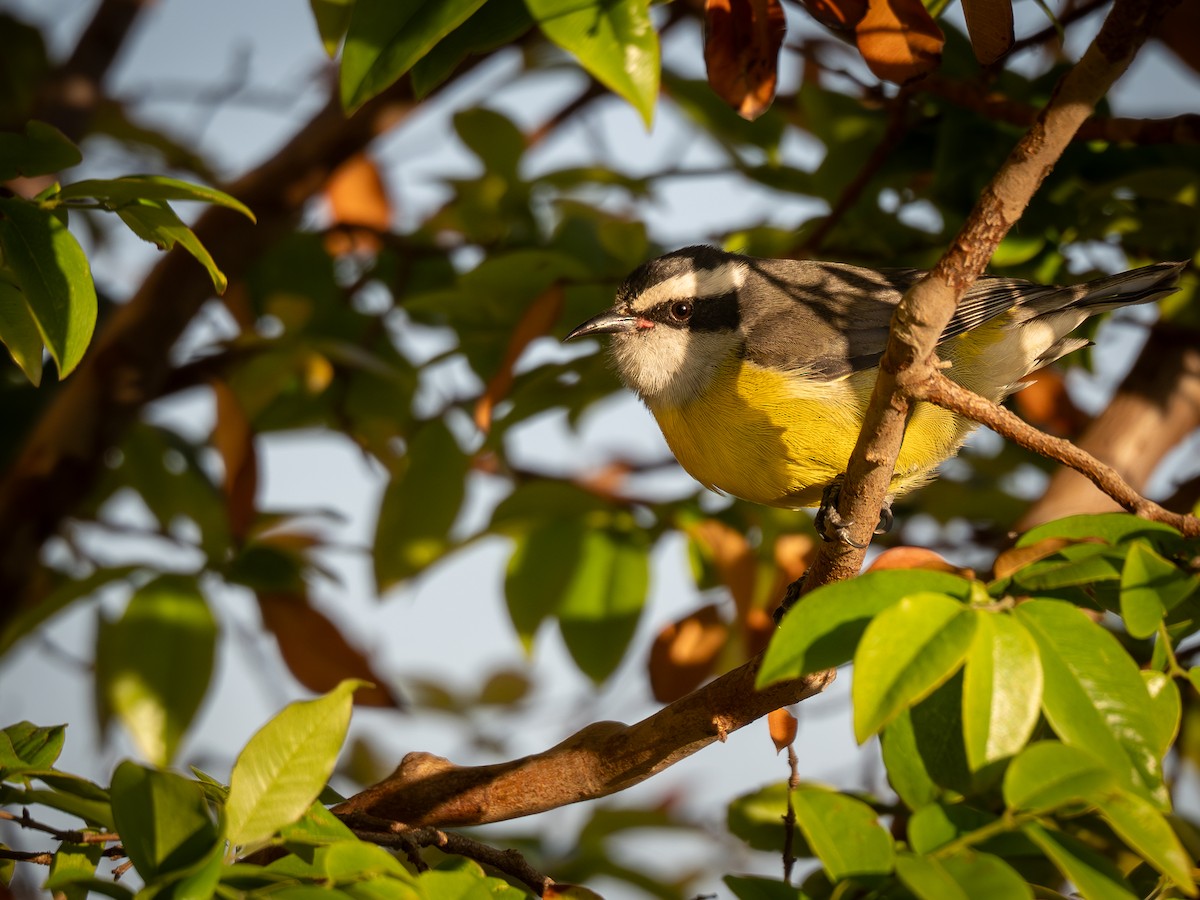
[[779, 439]]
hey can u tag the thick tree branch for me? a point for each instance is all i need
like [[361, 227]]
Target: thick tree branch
[[941, 391], [927, 307], [601, 759], [1156, 406]]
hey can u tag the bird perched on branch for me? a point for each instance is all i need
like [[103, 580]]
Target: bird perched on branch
[[759, 371]]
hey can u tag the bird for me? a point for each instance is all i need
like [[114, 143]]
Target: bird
[[759, 371]]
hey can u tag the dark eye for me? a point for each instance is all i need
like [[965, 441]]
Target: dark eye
[[681, 310]]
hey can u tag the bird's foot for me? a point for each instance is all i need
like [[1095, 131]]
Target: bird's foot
[[790, 596], [830, 524]]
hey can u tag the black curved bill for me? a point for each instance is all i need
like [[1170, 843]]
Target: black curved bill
[[605, 323]]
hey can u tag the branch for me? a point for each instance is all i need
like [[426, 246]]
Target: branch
[[926, 308], [398, 835], [1156, 406], [1182, 129], [601, 759], [941, 391], [71, 836]]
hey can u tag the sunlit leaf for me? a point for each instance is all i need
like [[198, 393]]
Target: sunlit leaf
[[1095, 877], [118, 192], [1146, 831], [1150, 587], [19, 331], [685, 652], [844, 833], [53, 274], [1048, 775], [1002, 690], [155, 222], [899, 40]]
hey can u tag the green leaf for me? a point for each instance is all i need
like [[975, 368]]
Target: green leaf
[[386, 37], [30, 746], [353, 859], [1148, 833], [905, 653], [757, 819], [41, 150], [154, 221], [117, 192], [1094, 697], [1072, 566], [907, 772], [162, 818], [419, 506], [332, 17], [926, 878], [1002, 690], [614, 40], [154, 664], [496, 23], [844, 833], [492, 137], [964, 876], [751, 887], [282, 769], [19, 331], [53, 274], [823, 630], [94, 811], [1095, 877], [937, 824], [603, 602], [1115, 528], [1150, 587], [73, 866], [1048, 775], [541, 569], [1166, 709], [317, 827]]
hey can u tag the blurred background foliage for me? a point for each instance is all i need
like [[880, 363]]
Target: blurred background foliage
[[426, 338]]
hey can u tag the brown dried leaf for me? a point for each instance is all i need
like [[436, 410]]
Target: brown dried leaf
[[732, 558], [315, 650], [685, 652], [539, 317], [1016, 558], [837, 15], [233, 438], [990, 25], [741, 51], [1046, 404], [782, 725], [899, 40], [916, 558], [357, 197]]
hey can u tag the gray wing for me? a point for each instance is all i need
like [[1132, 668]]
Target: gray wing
[[833, 318]]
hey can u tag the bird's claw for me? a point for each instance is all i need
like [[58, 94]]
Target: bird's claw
[[831, 526]]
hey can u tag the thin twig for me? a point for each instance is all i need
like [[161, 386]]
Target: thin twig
[[1054, 29], [941, 391], [40, 857], [789, 818], [71, 837]]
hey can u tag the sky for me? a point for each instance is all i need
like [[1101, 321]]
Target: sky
[[268, 55]]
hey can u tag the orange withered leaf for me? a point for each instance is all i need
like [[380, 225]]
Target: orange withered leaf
[[916, 558], [356, 196], [539, 317], [685, 652], [315, 650], [731, 557], [837, 15], [741, 52], [899, 40], [1046, 404], [990, 26], [234, 440]]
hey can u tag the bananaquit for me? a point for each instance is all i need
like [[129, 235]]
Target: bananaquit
[[759, 370]]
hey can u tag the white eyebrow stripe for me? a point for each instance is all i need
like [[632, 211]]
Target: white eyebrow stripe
[[724, 279]]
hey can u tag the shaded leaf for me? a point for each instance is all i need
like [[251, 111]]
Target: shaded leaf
[[844, 833], [602, 603], [163, 819], [539, 318], [153, 665], [284, 766], [741, 52], [1048, 775], [907, 651], [615, 42], [19, 331], [758, 819], [41, 150], [1150, 587], [1095, 877], [30, 746], [317, 652], [752, 887], [543, 564], [838, 15], [899, 40], [53, 274], [685, 653], [1165, 709], [73, 866], [332, 18], [386, 37], [1114, 528]]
